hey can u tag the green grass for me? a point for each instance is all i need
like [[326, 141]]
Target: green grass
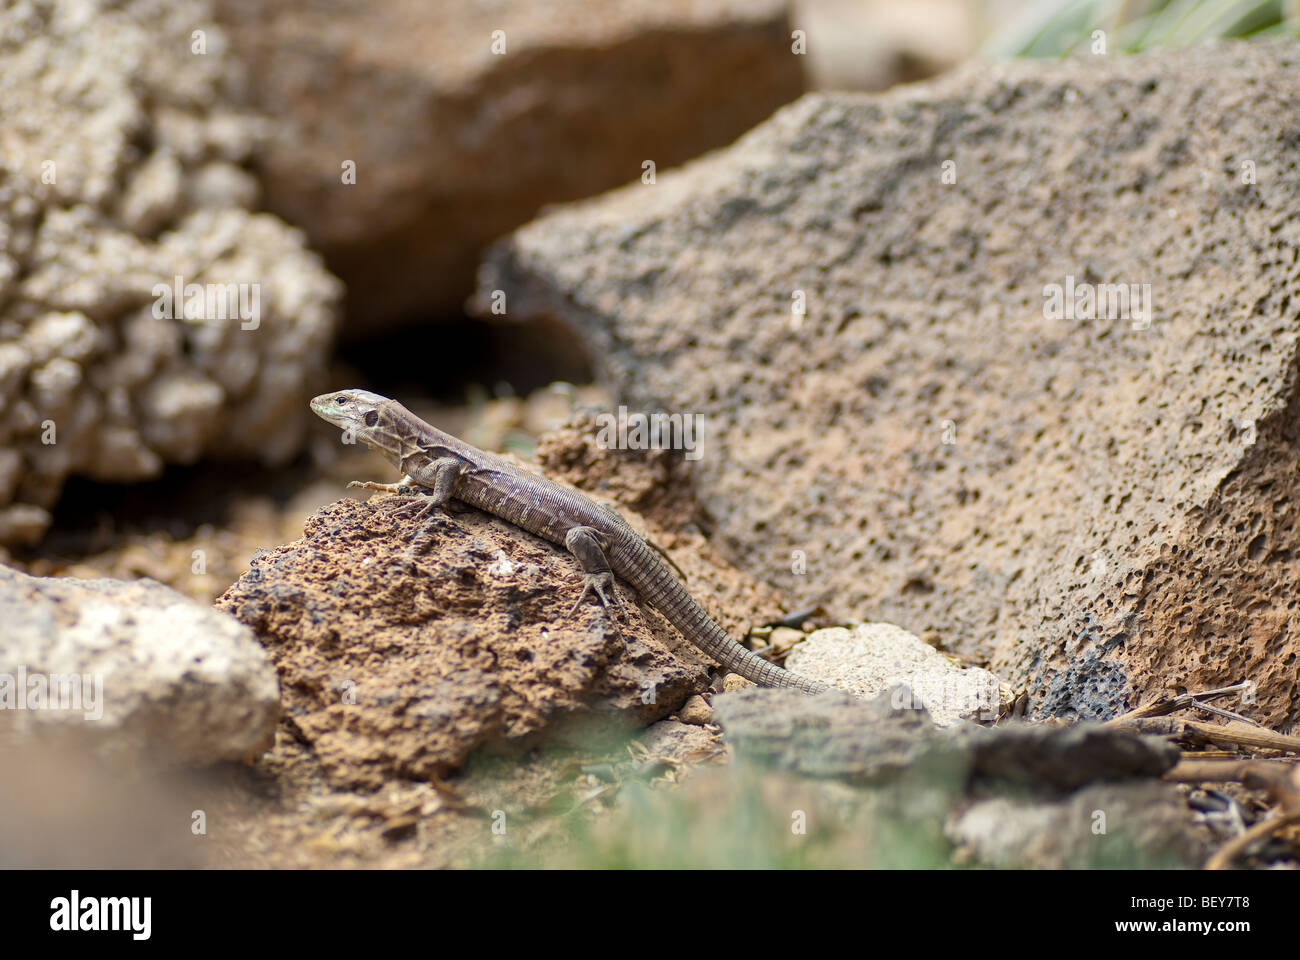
[[740, 817], [1057, 28]]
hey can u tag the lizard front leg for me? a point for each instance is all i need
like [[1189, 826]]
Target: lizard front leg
[[414, 495], [444, 472], [588, 547]]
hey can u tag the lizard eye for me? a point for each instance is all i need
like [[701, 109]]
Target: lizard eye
[[340, 399], [371, 418]]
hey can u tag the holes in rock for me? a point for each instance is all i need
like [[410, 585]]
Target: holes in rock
[[1255, 549]]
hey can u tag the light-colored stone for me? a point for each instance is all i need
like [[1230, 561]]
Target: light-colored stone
[[158, 677], [872, 657], [784, 639], [1106, 825], [92, 228], [734, 682]]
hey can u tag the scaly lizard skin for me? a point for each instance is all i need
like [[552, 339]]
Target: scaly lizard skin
[[438, 467]]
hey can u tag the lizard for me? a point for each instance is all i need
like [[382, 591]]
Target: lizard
[[437, 467]]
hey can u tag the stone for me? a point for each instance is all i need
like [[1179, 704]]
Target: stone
[[832, 735], [404, 651], [141, 673], [1115, 826], [695, 711], [472, 139], [99, 375], [1067, 757], [861, 298], [871, 658]]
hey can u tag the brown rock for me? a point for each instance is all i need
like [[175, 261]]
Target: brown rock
[[1098, 507], [696, 711], [454, 145], [403, 649], [734, 683]]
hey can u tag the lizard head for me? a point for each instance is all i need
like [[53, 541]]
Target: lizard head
[[360, 413]]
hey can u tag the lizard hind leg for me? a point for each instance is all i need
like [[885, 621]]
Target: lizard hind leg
[[587, 546]]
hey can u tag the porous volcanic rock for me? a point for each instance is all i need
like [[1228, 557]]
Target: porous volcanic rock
[[403, 648], [1101, 507], [454, 144], [122, 169]]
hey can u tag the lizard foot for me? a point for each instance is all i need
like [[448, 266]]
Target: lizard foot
[[417, 508], [595, 584], [406, 505]]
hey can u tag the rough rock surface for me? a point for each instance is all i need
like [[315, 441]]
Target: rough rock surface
[[403, 649], [141, 671], [1100, 508], [832, 735], [1064, 758], [873, 657], [455, 145], [122, 168]]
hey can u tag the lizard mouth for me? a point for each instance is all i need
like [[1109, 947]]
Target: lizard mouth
[[323, 407]]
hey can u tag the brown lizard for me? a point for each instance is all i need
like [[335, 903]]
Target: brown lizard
[[437, 467]]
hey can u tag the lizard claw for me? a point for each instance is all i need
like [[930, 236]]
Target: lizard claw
[[416, 508], [596, 583], [406, 505]]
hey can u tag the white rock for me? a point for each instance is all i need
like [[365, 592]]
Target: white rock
[[872, 657], [145, 672]]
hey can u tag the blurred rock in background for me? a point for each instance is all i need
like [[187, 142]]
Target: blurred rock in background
[[874, 44], [464, 120], [123, 173]]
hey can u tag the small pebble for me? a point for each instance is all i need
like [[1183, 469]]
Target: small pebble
[[696, 710]]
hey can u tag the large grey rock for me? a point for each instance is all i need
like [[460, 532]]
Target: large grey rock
[[1097, 508], [879, 740], [133, 669], [1064, 758], [120, 171]]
